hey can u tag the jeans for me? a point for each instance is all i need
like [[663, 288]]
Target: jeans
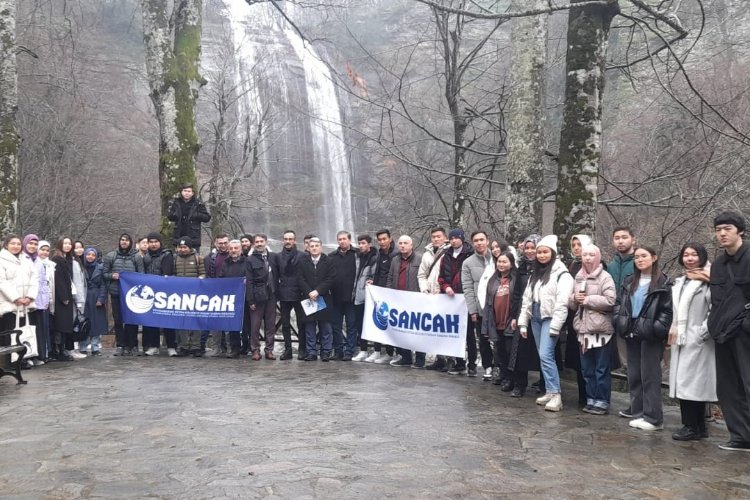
[[339, 312], [596, 377], [326, 337], [545, 346], [644, 379]]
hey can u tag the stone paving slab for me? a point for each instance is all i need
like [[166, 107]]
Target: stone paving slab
[[216, 428]]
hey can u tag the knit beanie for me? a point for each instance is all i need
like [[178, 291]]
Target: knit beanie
[[457, 233], [549, 241]]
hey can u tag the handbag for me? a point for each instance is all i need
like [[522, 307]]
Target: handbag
[[27, 338], [81, 328]]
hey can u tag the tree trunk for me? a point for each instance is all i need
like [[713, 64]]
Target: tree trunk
[[9, 139], [173, 50], [525, 171], [581, 134]]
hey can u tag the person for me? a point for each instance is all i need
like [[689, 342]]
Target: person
[[729, 326], [620, 267], [429, 270], [124, 259], [95, 307], [247, 244], [187, 213], [160, 262], [79, 289], [40, 315], [572, 349], [591, 304], [141, 246], [544, 309], [289, 295], [496, 316], [643, 316], [234, 267], [316, 277], [78, 249], [64, 301], [262, 280], [472, 270], [342, 310], [49, 271], [386, 253], [403, 276], [19, 284], [213, 263], [692, 365], [366, 261], [306, 242], [188, 264], [523, 354], [451, 284]]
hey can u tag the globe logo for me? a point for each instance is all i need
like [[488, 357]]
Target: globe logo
[[380, 315], [140, 299]]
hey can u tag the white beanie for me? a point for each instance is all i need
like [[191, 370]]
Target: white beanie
[[549, 241], [44, 243]]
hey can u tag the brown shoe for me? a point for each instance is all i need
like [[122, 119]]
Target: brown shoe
[[256, 356], [269, 355]]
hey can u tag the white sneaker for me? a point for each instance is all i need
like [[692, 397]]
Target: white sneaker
[[487, 374], [384, 359], [362, 356], [372, 357], [543, 400], [395, 359], [554, 404], [635, 423], [152, 351], [75, 354], [172, 352], [647, 426]]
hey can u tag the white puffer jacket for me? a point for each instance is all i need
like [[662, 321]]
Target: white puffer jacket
[[18, 279], [553, 299]]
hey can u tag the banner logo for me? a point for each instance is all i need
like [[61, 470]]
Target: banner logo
[[380, 315], [140, 299]]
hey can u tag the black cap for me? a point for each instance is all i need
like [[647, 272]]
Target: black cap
[[185, 240]]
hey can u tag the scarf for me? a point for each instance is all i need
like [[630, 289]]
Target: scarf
[[90, 266], [26, 240]]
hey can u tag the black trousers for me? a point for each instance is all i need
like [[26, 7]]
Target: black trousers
[[286, 324], [125, 335], [733, 387], [644, 380], [693, 414], [151, 337], [473, 330], [503, 345], [359, 319]]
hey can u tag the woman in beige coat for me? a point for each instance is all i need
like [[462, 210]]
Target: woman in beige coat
[[692, 368]]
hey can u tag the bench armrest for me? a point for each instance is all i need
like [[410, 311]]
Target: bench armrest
[[17, 333]]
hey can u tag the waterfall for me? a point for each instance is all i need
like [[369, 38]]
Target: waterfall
[[307, 152]]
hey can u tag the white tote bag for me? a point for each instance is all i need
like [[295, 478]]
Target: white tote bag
[[28, 336]]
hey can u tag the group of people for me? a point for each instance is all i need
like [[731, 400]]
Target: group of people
[[523, 303]]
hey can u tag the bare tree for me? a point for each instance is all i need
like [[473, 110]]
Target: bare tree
[[9, 139]]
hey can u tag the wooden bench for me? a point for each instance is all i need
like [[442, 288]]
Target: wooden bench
[[16, 347]]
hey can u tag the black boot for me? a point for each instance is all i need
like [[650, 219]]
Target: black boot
[[287, 354], [436, 365]]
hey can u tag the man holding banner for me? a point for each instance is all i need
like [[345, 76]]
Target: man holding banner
[[403, 275]]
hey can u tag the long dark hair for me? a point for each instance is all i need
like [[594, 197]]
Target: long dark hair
[[510, 257], [59, 252], [655, 274], [699, 249], [541, 272]]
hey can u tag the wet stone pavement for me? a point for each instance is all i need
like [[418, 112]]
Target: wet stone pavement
[[216, 428]]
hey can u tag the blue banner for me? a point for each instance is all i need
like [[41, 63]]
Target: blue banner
[[182, 303]]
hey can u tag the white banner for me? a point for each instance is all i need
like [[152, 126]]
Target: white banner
[[417, 321]]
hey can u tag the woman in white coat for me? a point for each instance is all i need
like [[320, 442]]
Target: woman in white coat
[[692, 368], [545, 309], [19, 282]]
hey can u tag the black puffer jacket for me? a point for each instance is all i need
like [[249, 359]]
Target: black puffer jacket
[[655, 319], [187, 218], [288, 288]]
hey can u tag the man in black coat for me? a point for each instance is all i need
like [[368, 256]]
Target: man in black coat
[[235, 266], [262, 280], [160, 262], [289, 295], [317, 275], [386, 252], [729, 325], [345, 261], [188, 212]]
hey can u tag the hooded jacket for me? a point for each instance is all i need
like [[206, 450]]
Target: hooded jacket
[[592, 320], [655, 319], [553, 299], [118, 261], [18, 279]]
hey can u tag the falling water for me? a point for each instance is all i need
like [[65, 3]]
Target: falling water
[[265, 46]]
